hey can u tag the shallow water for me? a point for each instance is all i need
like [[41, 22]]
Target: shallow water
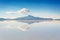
[[15, 30]]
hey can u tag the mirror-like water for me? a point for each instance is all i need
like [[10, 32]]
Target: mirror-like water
[[15, 30]]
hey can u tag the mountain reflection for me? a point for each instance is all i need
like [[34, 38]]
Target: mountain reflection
[[32, 21], [20, 25]]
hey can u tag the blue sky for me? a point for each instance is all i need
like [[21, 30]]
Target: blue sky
[[40, 8]]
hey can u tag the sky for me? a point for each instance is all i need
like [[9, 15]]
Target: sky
[[37, 8]]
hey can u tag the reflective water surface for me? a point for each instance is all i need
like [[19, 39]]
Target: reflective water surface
[[15, 30]]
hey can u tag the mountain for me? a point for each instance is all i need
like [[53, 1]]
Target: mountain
[[2, 19], [57, 19], [30, 17]]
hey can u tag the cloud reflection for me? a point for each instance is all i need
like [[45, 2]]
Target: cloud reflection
[[24, 26], [13, 24], [39, 31]]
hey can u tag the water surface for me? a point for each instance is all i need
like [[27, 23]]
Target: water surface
[[15, 30]]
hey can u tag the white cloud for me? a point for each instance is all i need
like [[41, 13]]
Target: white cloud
[[14, 14], [10, 12], [24, 12], [21, 11]]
